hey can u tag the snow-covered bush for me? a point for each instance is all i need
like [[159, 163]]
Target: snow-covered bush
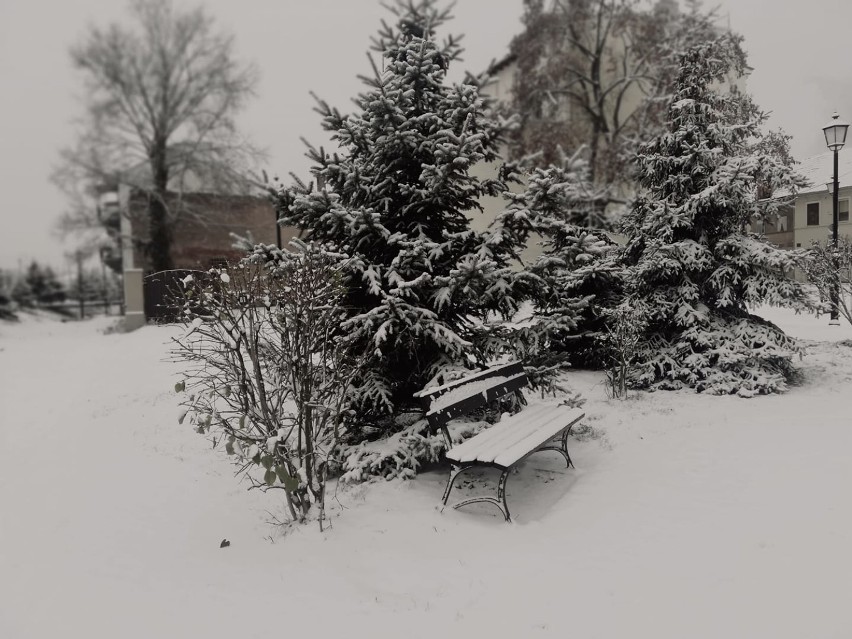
[[397, 198], [398, 456], [691, 261], [403, 453], [8, 306], [829, 269], [38, 286], [268, 368]]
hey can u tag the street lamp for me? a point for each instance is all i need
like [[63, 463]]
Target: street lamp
[[835, 138]]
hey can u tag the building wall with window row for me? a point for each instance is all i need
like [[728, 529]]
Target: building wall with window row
[[814, 214]]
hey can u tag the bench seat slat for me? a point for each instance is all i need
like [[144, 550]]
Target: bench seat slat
[[561, 420], [537, 427], [494, 439]]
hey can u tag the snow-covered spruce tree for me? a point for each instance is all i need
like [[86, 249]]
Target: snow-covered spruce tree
[[396, 199], [572, 278], [692, 262]]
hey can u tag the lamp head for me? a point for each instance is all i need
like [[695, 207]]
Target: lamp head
[[835, 132]]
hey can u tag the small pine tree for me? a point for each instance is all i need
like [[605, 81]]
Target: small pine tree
[[397, 199], [7, 302], [92, 284], [571, 279], [22, 294], [691, 261], [38, 286]]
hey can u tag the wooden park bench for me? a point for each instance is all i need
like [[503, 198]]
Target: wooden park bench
[[503, 445]]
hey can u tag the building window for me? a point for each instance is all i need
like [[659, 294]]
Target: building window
[[843, 210], [813, 214]]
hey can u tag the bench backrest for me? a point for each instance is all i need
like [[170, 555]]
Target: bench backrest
[[460, 397]]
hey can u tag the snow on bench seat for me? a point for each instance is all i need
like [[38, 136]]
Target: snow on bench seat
[[515, 437]]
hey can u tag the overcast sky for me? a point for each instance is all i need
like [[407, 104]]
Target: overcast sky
[[799, 51]]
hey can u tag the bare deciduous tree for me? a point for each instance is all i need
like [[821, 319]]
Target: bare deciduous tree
[[160, 100], [591, 73]]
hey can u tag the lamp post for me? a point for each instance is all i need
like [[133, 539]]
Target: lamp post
[[835, 138]]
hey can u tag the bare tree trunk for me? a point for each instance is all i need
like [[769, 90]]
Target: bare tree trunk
[[160, 236]]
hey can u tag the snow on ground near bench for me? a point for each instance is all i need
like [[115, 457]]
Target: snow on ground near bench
[[691, 516]]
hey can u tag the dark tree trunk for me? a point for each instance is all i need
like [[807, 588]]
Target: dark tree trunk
[[160, 247]]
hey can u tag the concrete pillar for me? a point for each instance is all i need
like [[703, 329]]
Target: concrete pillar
[[126, 228], [134, 301]]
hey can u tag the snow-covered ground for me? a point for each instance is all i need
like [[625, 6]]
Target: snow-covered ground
[[689, 516]]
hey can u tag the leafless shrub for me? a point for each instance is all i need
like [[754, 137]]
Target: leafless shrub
[[829, 269], [624, 329], [268, 370]]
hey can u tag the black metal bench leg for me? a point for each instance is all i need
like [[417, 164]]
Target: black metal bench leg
[[562, 449], [501, 494], [499, 501], [565, 447], [455, 472]]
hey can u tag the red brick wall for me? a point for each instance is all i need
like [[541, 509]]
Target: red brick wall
[[201, 234]]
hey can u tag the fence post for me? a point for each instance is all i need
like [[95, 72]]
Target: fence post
[[79, 256]]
